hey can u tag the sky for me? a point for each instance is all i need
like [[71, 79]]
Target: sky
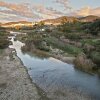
[[36, 10]]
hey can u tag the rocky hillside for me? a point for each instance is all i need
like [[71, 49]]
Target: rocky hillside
[[20, 22], [56, 21], [15, 24], [65, 19], [60, 20], [89, 18]]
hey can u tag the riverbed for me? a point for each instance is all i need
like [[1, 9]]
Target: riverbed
[[58, 80]]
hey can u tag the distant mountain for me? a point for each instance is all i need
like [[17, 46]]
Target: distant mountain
[[20, 22], [56, 21], [60, 20], [17, 24], [89, 18], [65, 19]]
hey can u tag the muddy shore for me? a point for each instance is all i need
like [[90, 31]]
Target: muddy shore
[[15, 83]]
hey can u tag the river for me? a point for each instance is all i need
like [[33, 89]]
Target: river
[[59, 80]]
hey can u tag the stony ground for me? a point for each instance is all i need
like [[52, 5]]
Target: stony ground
[[15, 83]]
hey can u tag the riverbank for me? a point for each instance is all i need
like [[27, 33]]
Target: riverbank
[[15, 83]]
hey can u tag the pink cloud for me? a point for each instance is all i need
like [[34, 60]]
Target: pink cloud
[[86, 11]]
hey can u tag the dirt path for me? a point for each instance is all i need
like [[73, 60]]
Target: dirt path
[[15, 83]]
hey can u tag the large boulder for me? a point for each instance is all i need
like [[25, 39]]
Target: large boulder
[[82, 62]]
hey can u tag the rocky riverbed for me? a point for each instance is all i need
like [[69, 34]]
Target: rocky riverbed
[[15, 83]]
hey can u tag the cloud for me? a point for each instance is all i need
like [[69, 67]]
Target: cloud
[[64, 3], [46, 12], [86, 11], [18, 9], [28, 11], [10, 17], [55, 11], [95, 11], [32, 11]]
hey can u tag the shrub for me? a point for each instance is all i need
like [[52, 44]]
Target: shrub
[[3, 43], [92, 28], [95, 56], [72, 36], [65, 47]]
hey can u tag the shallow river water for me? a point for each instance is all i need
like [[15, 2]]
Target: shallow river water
[[59, 80]]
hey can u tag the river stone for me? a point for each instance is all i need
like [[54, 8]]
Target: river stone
[[82, 62]]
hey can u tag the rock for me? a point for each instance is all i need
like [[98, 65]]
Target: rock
[[56, 51], [62, 37], [82, 62], [69, 60], [78, 44], [66, 40]]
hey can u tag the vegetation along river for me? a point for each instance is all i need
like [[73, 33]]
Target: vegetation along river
[[59, 80]]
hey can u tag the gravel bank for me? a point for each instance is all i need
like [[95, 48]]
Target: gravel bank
[[15, 83]]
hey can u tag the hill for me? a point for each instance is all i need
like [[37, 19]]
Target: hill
[[89, 18], [60, 20], [56, 21], [17, 24], [65, 19]]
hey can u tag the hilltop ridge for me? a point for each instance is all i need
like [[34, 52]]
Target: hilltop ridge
[[56, 21]]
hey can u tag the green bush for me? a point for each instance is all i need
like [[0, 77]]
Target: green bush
[[92, 28], [72, 36], [71, 27], [95, 56], [65, 47], [3, 43]]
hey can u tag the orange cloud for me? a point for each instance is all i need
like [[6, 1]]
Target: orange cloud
[[46, 12], [19, 9], [86, 11], [33, 11]]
